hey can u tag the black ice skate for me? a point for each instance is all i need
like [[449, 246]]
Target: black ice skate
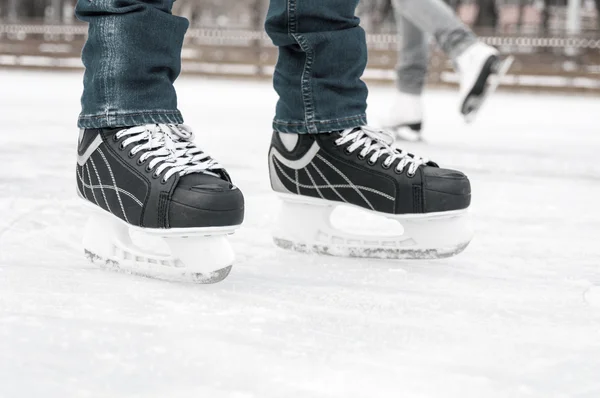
[[151, 185], [315, 173]]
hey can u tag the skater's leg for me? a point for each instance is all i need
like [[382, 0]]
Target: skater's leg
[[405, 117], [437, 19], [322, 55], [478, 64], [132, 57], [413, 56], [137, 165]]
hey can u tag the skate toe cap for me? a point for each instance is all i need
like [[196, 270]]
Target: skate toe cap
[[445, 190], [206, 201]]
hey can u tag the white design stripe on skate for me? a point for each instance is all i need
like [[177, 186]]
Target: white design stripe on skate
[[297, 179], [360, 187], [124, 192], [81, 159], [112, 177], [300, 163], [347, 180], [327, 182], [314, 183], [90, 179], [101, 187], [82, 192]]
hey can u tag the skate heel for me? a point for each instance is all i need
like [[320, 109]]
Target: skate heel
[[453, 233], [305, 225], [163, 254], [295, 228]]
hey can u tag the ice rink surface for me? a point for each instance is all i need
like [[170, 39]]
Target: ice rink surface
[[516, 315]]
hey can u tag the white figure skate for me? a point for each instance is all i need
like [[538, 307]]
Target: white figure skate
[[481, 71], [162, 207], [314, 174], [405, 118]]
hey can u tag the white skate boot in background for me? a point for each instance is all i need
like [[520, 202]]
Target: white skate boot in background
[[162, 207], [481, 70], [405, 117], [401, 206]]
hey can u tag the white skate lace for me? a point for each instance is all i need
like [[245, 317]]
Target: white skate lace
[[376, 143], [171, 148]]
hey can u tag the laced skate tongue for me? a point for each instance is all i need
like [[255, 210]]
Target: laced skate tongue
[[173, 135], [375, 143], [170, 148]]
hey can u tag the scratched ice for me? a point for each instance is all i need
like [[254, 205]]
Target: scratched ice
[[516, 315]]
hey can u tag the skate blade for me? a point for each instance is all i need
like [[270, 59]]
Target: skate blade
[[197, 256], [485, 86], [305, 226], [189, 277], [370, 252]]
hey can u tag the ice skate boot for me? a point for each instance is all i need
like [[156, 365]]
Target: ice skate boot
[[358, 168], [481, 69], [405, 118], [163, 207]]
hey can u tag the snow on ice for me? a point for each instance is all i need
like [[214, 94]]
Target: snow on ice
[[516, 315]]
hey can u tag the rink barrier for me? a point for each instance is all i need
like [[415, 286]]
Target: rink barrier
[[542, 63]]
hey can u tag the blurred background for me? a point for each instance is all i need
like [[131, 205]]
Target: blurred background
[[556, 42]]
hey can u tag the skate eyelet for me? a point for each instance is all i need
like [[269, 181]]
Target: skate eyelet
[[386, 166], [149, 169], [399, 171], [155, 176], [410, 175], [371, 163], [361, 157], [131, 155], [347, 152], [116, 138], [121, 147], [140, 162]]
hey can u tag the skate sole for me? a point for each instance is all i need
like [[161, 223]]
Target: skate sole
[[494, 69], [164, 232], [191, 277]]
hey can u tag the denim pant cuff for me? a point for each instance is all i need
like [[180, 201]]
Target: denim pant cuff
[[319, 126], [107, 120]]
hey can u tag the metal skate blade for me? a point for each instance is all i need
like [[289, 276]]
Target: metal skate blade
[[309, 225], [381, 253], [191, 277], [182, 257]]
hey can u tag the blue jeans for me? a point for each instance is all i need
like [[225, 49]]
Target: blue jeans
[[132, 57], [322, 56]]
